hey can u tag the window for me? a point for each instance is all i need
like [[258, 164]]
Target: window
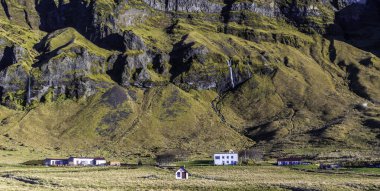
[[178, 174], [232, 157], [217, 157], [222, 157], [228, 157], [228, 162]]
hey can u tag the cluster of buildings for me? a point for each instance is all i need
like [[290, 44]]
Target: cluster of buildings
[[228, 158], [76, 161]]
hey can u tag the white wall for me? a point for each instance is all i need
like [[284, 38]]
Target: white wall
[[100, 162], [83, 161], [54, 162], [180, 176], [226, 159]]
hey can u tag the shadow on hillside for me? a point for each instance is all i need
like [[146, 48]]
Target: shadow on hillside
[[45, 57], [8, 58], [80, 15], [6, 9], [358, 25], [1, 95], [180, 51]]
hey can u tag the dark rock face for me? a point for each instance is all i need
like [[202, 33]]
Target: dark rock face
[[131, 68], [68, 76], [355, 24], [270, 10], [83, 16], [296, 12], [60, 73], [77, 14], [185, 55], [133, 42], [13, 78], [340, 4], [8, 57], [13, 81], [185, 5], [356, 14], [206, 6]]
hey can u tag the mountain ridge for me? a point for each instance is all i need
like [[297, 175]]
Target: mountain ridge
[[137, 78]]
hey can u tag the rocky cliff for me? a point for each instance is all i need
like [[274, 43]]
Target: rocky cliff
[[144, 77]]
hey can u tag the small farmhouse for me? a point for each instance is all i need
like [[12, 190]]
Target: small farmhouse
[[76, 161], [55, 162], [289, 161], [229, 158], [86, 161], [182, 174]]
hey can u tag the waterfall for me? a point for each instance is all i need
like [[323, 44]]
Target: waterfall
[[29, 94], [229, 63]]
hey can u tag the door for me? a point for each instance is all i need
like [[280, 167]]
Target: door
[[184, 175]]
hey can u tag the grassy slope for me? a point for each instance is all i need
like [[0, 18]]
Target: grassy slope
[[290, 107], [160, 119]]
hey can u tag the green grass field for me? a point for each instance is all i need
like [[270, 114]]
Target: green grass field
[[202, 178]]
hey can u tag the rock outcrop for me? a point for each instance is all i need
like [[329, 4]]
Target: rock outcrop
[[204, 6]]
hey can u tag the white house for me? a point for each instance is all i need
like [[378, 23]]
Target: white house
[[55, 162], [100, 161], [230, 158], [76, 161], [86, 161], [81, 161], [181, 174]]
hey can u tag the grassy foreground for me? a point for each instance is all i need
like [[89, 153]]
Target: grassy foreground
[[203, 178]]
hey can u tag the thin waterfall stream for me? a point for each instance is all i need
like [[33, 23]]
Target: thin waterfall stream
[[29, 94], [229, 63]]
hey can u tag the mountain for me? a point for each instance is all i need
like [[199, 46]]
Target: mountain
[[134, 78]]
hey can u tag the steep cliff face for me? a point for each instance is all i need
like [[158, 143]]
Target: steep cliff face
[[204, 6], [147, 76]]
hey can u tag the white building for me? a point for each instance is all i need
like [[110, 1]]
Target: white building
[[181, 174], [86, 161], [55, 162], [76, 161], [230, 158], [100, 161]]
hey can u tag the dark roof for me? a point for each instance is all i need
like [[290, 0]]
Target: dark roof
[[182, 168], [289, 159]]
